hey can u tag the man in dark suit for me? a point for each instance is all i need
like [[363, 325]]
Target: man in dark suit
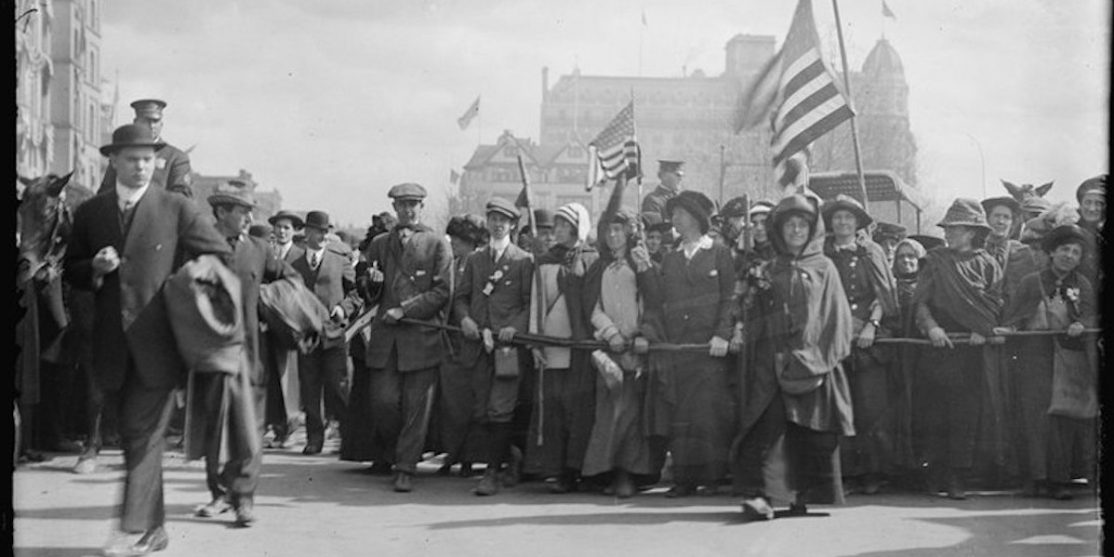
[[232, 484], [126, 242], [172, 165], [409, 270], [284, 225], [332, 277], [493, 301], [670, 173]]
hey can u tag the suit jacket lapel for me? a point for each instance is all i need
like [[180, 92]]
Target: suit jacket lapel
[[141, 220]]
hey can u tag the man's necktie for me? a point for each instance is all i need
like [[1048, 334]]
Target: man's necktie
[[313, 260], [127, 214]]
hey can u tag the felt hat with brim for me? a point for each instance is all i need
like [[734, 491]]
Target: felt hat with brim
[[470, 228], [1005, 200], [928, 242], [502, 207], [131, 135], [888, 231], [318, 220], [543, 218], [407, 192], [847, 203], [1064, 234], [292, 217], [1096, 185], [259, 230], [965, 212], [232, 192], [696, 204]]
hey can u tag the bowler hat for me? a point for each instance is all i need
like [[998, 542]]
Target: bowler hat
[[653, 222], [965, 212], [676, 167], [293, 218], [543, 218], [843, 202], [1014, 206], [232, 192], [408, 190], [1064, 234], [131, 135], [696, 204], [319, 220], [1096, 185], [503, 207]]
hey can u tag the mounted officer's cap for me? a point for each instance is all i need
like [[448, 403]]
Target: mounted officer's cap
[[676, 167], [149, 108]]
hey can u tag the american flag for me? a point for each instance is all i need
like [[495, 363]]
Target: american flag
[[615, 150], [797, 89]]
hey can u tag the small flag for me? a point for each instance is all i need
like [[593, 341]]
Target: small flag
[[887, 12], [454, 177], [615, 150], [472, 112]]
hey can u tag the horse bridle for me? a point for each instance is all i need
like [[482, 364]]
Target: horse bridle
[[56, 249]]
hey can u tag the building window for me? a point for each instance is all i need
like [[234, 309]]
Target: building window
[[94, 21], [93, 74]]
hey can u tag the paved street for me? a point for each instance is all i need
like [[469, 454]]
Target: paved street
[[318, 506]]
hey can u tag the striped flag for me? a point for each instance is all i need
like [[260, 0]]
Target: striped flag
[[806, 102], [472, 112], [887, 12], [615, 150]]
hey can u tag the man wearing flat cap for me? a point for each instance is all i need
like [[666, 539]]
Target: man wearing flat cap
[[232, 483], [409, 270], [323, 371], [670, 174], [493, 302], [172, 165], [125, 243]]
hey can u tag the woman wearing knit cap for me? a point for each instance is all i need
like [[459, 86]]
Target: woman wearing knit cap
[[564, 404], [795, 394], [615, 289], [868, 286], [693, 405], [909, 255], [453, 416], [1054, 428], [958, 292]]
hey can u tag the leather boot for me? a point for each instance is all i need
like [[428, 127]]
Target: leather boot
[[489, 485]]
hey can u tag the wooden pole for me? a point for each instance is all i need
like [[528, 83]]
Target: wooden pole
[[847, 85]]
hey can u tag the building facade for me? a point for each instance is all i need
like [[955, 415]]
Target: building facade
[[689, 118], [76, 105], [34, 75]]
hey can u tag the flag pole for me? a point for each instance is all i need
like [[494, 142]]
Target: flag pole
[[847, 85]]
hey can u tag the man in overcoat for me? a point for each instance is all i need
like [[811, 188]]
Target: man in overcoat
[[493, 302], [275, 356], [172, 165], [232, 484], [329, 274], [409, 270], [126, 242]]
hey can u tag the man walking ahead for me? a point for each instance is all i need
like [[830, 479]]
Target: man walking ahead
[[124, 246], [409, 269]]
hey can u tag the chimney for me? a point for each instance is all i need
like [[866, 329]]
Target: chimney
[[545, 83]]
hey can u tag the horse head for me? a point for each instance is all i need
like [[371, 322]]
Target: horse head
[[1025, 191], [44, 221]]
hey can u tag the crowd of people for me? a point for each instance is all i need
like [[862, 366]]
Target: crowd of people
[[756, 347]]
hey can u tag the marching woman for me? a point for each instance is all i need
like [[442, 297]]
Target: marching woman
[[795, 395], [615, 288], [958, 292], [693, 405], [562, 416], [868, 285], [1056, 383]]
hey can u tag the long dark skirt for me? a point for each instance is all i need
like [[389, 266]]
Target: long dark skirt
[[618, 439], [870, 451], [357, 429], [701, 420], [562, 418], [952, 384], [451, 426]]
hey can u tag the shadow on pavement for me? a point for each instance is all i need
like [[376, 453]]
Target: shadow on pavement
[[57, 552]]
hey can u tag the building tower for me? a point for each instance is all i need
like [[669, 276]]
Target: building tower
[[75, 95]]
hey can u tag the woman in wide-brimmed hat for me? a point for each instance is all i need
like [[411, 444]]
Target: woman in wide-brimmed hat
[[795, 391], [868, 285], [958, 292], [693, 402], [1053, 428]]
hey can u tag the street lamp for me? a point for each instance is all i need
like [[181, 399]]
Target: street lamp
[[982, 161]]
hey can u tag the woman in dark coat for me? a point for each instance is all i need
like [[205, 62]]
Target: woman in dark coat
[[1054, 429], [958, 292], [693, 405], [868, 286], [795, 394]]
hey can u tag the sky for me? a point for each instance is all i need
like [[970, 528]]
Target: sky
[[331, 102]]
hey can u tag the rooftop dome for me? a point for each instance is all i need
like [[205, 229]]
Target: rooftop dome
[[883, 60]]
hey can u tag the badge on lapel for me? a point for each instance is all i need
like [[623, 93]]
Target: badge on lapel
[[160, 163], [714, 273]]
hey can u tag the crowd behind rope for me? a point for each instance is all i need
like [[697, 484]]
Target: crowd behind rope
[[791, 390]]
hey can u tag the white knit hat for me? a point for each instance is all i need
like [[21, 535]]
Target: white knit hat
[[578, 217]]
